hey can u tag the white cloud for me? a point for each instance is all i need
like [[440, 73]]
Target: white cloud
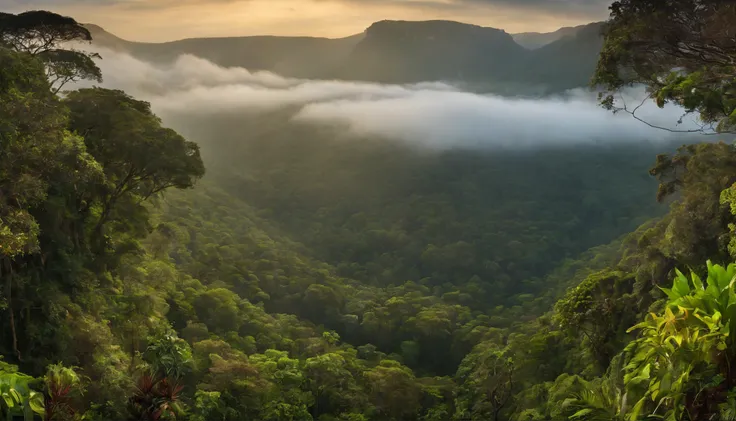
[[432, 114]]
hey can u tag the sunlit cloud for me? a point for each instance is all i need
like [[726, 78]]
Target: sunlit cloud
[[436, 115]]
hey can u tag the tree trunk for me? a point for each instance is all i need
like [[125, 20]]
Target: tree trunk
[[9, 296]]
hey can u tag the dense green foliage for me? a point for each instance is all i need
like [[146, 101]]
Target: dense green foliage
[[384, 213], [320, 280], [683, 51]]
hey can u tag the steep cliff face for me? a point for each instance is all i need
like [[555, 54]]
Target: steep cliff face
[[400, 51], [566, 63]]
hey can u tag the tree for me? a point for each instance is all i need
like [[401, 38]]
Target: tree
[[43, 34], [281, 395], [487, 389], [32, 135], [684, 52], [208, 407], [64, 66], [599, 310], [332, 385], [140, 157], [36, 152], [394, 391]]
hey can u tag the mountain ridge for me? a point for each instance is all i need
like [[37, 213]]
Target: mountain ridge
[[391, 51], [411, 51], [535, 40], [551, 36]]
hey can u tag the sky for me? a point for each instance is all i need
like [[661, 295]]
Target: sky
[[166, 20]]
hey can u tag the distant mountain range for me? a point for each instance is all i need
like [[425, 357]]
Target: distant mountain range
[[402, 52], [534, 40]]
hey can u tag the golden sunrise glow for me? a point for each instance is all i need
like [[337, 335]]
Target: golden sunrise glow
[[165, 20]]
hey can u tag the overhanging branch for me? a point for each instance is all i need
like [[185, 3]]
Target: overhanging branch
[[706, 129]]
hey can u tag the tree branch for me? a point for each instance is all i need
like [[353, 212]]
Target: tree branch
[[705, 129]]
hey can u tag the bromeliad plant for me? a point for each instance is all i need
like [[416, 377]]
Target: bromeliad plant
[[158, 393], [155, 398], [682, 365], [62, 385]]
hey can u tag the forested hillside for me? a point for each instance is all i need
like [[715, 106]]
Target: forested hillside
[[382, 212], [303, 276]]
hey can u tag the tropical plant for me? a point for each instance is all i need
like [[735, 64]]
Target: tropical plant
[[599, 402], [169, 357], [158, 390], [155, 398], [680, 367], [18, 397], [62, 384], [728, 408]]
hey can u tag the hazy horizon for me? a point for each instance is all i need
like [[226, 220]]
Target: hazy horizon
[[169, 20], [317, 36], [431, 114]]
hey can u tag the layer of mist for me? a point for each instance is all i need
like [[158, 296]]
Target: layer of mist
[[438, 115]]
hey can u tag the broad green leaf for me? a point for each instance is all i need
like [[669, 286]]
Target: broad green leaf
[[721, 277], [666, 383], [636, 410], [672, 295], [681, 285], [581, 413], [36, 403], [9, 401], [696, 281], [712, 290], [16, 395], [646, 370]]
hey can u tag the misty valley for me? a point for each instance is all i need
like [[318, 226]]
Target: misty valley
[[426, 221]]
